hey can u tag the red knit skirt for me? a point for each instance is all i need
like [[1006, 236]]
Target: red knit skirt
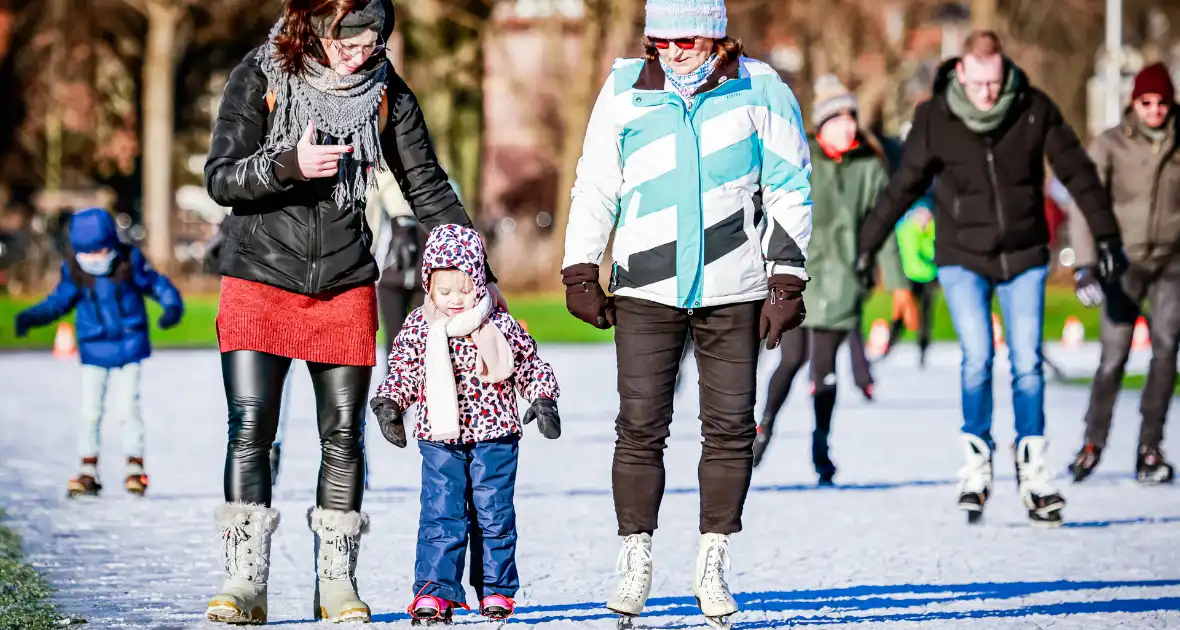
[[337, 328]]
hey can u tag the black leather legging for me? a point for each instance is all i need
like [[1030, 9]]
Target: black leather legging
[[253, 391]]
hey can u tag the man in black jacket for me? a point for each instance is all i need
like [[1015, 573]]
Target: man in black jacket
[[983, 139]]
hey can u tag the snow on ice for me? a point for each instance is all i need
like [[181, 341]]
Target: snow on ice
[[887, 548]]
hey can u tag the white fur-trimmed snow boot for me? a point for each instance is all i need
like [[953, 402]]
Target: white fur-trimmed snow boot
[[337, 546], [246, 531], [709, 586]]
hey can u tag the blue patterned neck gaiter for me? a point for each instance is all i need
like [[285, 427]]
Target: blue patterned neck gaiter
[[687, 84]]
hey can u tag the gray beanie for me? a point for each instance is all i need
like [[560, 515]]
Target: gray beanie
[[368, 16], [831, 99]]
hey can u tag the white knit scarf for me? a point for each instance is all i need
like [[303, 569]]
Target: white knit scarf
[[493, 361]]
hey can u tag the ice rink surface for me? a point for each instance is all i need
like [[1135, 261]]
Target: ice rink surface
[[887, 548]]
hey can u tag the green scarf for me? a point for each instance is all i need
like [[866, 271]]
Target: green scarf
[[977, 121], [1152, 133]]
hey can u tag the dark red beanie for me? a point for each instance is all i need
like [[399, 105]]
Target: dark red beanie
[[1154, 79]]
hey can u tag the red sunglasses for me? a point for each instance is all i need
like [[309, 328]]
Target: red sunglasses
[[684, 43]]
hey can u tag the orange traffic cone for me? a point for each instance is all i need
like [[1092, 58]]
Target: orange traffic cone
[[64, 344], [878, 341], [1074, 333], [997, 331], [1141, 338]]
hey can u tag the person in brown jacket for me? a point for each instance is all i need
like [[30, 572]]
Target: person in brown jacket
[[1139, 162]]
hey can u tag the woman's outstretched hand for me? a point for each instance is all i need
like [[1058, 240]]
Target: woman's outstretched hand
[[497, 297], [318, 160]]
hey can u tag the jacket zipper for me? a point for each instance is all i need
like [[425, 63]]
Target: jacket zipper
[[999, 206]]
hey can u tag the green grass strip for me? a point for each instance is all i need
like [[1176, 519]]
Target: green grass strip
[[25, 596]]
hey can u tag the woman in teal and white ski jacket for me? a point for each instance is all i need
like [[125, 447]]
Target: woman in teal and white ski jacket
[[696, 159]]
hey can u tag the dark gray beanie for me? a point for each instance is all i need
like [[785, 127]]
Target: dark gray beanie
[[366, 16]]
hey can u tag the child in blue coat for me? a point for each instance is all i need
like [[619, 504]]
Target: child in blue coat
[[105, 282]]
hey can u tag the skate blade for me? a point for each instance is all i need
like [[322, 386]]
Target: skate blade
[[974, 517], [625, 622], [720, 623]]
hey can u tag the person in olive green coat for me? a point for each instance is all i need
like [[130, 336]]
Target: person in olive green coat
[[849, 170]]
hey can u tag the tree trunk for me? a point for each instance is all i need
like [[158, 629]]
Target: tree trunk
[[159, 87], [983, 15], [604, 20]]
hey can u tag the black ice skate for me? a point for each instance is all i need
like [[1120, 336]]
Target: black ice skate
[[975, 477], [1085, 462], [86, 483], [428, 610], [1151, 468], [1043, 501]]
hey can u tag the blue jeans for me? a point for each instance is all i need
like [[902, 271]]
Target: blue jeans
[[1022, 303], [467, 498]]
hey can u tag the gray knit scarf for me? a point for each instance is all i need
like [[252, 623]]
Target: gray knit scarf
[[345, 108]]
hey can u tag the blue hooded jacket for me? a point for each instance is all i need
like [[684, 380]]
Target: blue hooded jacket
[[112, 325]]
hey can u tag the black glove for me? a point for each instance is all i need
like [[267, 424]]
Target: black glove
[[584, 297], [544, 411], [783, 309], [390, 419], [170, 318], [23, 323], [1112, 262], [865, 274], [1087, 287]]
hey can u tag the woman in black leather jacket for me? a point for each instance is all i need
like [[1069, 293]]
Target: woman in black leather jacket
[[307, 122]]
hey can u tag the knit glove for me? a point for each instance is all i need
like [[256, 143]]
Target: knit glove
[[1112, 262], [544, 411], [865, 274], [23, 323], [390, 419], [584, 297], [783, 309], [170, 318], [1087, 287]]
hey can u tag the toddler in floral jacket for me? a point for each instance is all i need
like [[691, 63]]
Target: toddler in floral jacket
[[463, 361]]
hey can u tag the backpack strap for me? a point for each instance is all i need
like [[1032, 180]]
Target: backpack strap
[[382, 112]]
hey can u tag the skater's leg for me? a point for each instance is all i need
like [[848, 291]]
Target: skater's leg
[[443, 523], [1164, 302], [726, 345], [394, 305], [253, 391], [794, 351], [123, 385], [493, 485], [925, 292], [862, 373], [649, 340], [1022, 300], [823, 374], [94, 386], [341, 393], [1119, 313], [969, 296]]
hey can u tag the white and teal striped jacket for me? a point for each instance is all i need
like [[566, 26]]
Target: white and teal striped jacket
[[680, 185]]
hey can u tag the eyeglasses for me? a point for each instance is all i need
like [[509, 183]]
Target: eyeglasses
[[684, 43], [352, 50]]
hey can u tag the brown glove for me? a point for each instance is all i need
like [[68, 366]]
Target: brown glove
[[783, 309], [584, 297]]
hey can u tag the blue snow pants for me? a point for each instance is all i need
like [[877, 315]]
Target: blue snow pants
[[467, 497]]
